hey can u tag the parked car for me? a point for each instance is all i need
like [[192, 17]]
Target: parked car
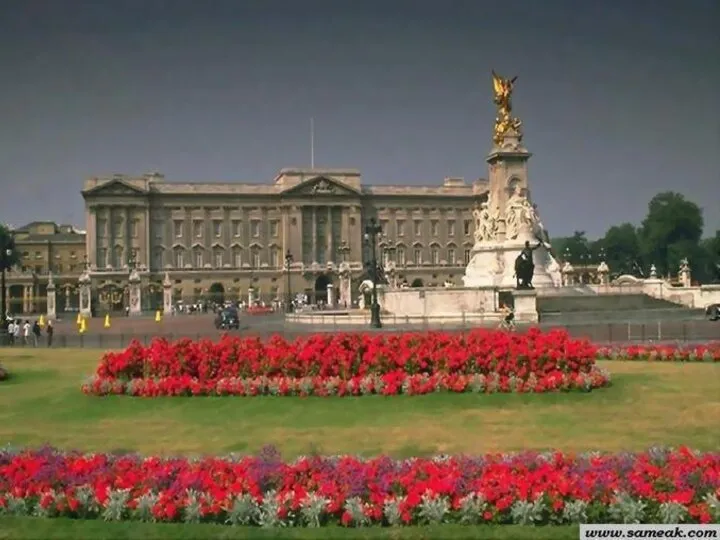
[[227, 319], [712, 312]]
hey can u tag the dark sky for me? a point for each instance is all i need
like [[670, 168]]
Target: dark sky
[[620, 99]]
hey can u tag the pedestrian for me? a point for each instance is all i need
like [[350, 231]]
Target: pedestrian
[[17, 332], [11, 332], [36, 332], [50, 330], [26, 332]]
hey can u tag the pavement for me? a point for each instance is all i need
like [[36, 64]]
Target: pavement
[[124, 329]]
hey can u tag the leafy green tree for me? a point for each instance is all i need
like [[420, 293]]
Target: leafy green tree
[[672, 227], [13, 258], [621, 247], [571, 248]]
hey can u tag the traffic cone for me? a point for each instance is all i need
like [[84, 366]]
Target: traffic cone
[[79, 319], [83, 326], [41, 321], [106, 324], [158, 316]]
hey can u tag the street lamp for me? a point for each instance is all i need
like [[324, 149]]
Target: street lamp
[[372, 231], [132, 259], [288, 262], [5, 263], [344, 251]]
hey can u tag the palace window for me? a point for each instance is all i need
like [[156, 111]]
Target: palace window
[[275, 257], [218, 258], [197, 228], [237, 257], [418, 256], [383, 227], [134, 226], [451, 228], [179, 258], [400, 226], [237, 228], [199, 258], [274, 228], [417, 227], [256, 258], [255, 228], [434, 229], [435, 255], [466, 256], [467, 227], [102, 258], [452, 257], [102, 228], [178, 228], [401, 256], [217, 228]]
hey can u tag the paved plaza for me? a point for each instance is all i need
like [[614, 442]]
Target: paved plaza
[[124, 329]]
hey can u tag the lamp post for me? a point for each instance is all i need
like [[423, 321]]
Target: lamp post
[[372, 231], [5, 263], [288, 262]]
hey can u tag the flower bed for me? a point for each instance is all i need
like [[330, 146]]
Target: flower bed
[[708, 352], [660, 486], [353, 364]]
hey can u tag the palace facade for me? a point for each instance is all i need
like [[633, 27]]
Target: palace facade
[[225, 238], [44, 247]]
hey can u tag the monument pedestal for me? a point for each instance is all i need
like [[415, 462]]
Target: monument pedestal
[[85, 294], [525, 305], [492, 264], [330, 295]]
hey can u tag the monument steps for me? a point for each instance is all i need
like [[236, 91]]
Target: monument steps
[[629, 316], [614, 303]]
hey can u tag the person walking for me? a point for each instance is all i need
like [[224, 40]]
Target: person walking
[[36, 332], [26, 332], [50, 330]]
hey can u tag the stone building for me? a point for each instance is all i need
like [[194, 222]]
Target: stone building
[[45, 246], [222, 239]]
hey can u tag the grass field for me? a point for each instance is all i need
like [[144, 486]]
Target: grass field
[[648, 404]]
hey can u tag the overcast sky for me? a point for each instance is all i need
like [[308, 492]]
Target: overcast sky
[[619, 99]]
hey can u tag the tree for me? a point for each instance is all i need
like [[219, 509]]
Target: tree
[[13, 258], [673, 224], [622, 248], [571, 248]]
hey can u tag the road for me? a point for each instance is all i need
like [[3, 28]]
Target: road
[[123, 330]]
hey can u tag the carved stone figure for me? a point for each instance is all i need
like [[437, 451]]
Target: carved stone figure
[[516, 214], [485, 223]]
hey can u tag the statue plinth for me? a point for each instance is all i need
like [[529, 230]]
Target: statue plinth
[[167, 295], [134, 294]]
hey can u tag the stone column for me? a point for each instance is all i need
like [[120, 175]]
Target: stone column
[[51, 304], [134, 293], [167, 295], [330, 254], [314, 257], [91, 234], [330, 295]]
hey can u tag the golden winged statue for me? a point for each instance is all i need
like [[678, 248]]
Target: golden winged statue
[[504, 121]]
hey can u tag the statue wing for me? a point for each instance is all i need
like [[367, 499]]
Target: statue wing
[[497, 83]]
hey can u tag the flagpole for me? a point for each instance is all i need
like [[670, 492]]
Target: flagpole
[[312, 143]]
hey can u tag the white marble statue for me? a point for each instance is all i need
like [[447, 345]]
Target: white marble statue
[[517, 214], [485, 223]]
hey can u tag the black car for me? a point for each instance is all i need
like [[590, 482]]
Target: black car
[[712, 312], [228, 319]]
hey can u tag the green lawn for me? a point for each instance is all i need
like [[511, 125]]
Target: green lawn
[[648, 404], [66, 529]]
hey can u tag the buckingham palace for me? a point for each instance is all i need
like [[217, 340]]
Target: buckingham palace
[[226, 238]]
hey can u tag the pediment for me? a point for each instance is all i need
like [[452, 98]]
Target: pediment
[[113, 188], [321, 186]]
